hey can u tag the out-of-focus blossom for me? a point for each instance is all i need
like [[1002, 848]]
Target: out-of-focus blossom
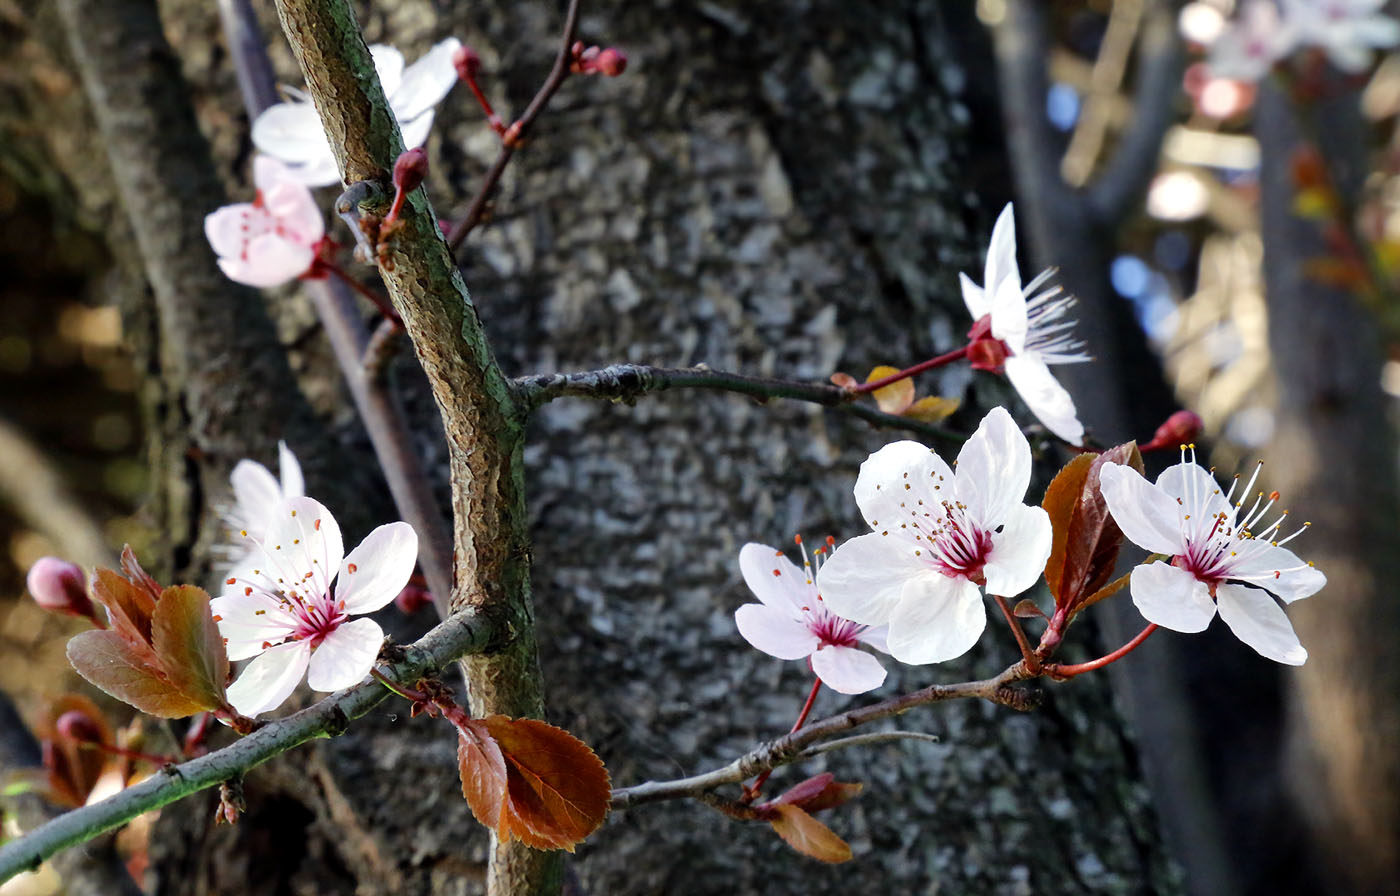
[[1254, 42], [1346, 30], [272, 239]]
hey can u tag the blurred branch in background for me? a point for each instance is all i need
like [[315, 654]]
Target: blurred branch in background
[[38, 495]]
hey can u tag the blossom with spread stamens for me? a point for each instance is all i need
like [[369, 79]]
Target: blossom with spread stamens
[[938, 536], [272, 239], [792, 622], [1346, 30], [1028, 327], [1219, 560], [284, 613], [292, 131]]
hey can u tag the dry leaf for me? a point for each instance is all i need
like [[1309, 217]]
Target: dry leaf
[[808, 836]]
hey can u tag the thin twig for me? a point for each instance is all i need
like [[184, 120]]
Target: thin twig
[[462, 634], [476, 210], [865, 740], [790, 748], [627, 382]]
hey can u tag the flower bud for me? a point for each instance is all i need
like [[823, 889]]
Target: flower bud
[[60, 587], [411, 169], [78, 726], [610, 63], [1180, 428], [987, 354], [412, 599], [466, 62]]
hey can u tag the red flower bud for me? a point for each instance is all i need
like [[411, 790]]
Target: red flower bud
[[466, 62], [611, 62], [987, 354], [411, 169], [60, 587], [79, 726], [412, 599], [1180, 428]]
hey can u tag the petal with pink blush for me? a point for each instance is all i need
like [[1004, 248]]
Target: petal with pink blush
[[376, 571], [847, 670], [774, 579], [345, 657], [269, 680], [226, 228], [775, 633]]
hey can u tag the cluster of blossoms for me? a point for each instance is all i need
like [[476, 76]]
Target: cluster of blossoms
[[1264, 32]]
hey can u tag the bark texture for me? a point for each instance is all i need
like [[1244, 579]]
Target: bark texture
[[775, 188]]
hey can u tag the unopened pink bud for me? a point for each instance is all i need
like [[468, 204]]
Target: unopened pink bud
[[466, 62], [60, 587], [610, 63], [411, 169], [1179, 429], [79, 726], [412, 599]]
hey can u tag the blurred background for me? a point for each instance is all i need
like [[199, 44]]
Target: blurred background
[[779, 190]]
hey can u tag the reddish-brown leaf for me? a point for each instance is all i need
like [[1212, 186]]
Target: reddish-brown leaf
[[187, 642], [137, 575], [130, 607], [483, 771], [816, 793], [896, 397], [1091, 550], [809, 836], [107, 660], [1060, 500], [72, 769], [558, 789], [1026, 609]]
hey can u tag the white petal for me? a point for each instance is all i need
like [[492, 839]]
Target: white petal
[[291, 132], [257, 493], [296, 213], [345, 657], [938, 618], [1010, 317], [249, 622], [1048, 400], [269, 171], [863, 579], [1258, 620], [894, 480], [388, 62], [293, 485], [1277, 570], [376, 571], [302, 537], [269, 261], [415, 130], [775, 580], [1019, 551], [426, 82], [877, 636], [1171, 597], [1148, 516], [1201, 496], [270, 679], [975, 298], [847, 670], [320, 172], [774, 633], [226, 228], [994, 469], [1001, 252]]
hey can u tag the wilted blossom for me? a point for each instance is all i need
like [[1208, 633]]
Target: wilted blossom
[[285, 614], [1219, 560], [292, 131], [938, 536], [272, 239], [793, 622], [1028, 331]]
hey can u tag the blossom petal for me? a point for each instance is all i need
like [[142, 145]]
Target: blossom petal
[[293, 485], [1048, 400], [249, 622], [877, 636], [1010, 317], [1019, 551], [425, 82], [376, 571], [1258, 620], [269, 171], [775, 633], [863, 579], [415, 130], [937, 618], [1001, 253], [1148, 516], [257, 493], [1201, 496], [269, 260], [226, 228], [895, 479], [321, 172], [345, 657], [388, 62], [1171, 597], [847, 670], [1278, 571], [775, 580], [290, 132], [269, 680], [303, 546], [295, 212], [975, 298], [994, 469]]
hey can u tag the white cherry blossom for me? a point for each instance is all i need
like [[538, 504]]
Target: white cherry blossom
[[272, 239], [937, 536], [284, 613], [1346, 30], [792, 622], [1253, 43], [1033, 328], [1219, 560], [292, 131]]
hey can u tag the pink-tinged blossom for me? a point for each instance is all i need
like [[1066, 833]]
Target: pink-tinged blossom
[[1346, 30], [793, 622], [938, 536], [1219, 561], [1253, 43], [284, 613], [1031, 324], [272, 239], [292, 131], [257, 496]]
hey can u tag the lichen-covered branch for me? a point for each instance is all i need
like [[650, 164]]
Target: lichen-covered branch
[[465, 633], [627, 382]]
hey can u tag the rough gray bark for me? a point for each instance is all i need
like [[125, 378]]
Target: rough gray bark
[[769, 188]]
